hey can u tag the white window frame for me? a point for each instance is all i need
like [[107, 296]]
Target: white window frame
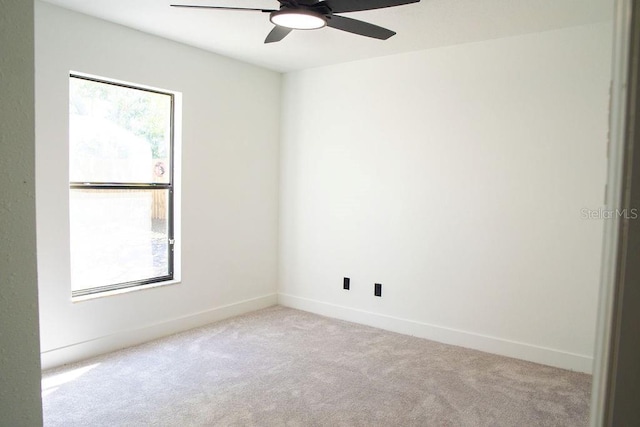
[[173, 187]]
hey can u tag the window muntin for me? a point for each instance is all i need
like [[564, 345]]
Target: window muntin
[[121, 185]]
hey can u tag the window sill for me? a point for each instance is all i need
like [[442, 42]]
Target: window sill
[[125, 290]]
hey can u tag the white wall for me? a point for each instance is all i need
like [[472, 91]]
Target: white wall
[[20, 402], [456, 178], [229, 184]]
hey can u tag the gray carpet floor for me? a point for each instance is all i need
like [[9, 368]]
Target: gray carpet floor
[[284, 367]]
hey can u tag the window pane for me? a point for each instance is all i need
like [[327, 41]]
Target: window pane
[[118, 134], [118, 236]]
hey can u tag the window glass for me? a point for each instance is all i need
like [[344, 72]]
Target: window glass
[[121, 189], [118, 134]]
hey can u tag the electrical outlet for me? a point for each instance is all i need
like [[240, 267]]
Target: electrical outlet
[[346, 283], [377, 289]]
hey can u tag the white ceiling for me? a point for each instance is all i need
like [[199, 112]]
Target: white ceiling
[[428, 24]]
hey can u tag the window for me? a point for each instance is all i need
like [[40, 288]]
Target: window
[[121, 188]]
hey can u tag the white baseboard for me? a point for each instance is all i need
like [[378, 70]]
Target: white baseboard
[[105, 344], [518, 350]]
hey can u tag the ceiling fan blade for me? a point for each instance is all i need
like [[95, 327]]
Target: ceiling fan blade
[[342, 6], [194, 6], [277, 34], [358, 27]]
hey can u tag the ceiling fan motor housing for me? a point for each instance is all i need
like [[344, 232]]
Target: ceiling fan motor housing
[[298, 18]]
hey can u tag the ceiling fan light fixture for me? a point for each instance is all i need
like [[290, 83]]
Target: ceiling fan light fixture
[[298, 19]]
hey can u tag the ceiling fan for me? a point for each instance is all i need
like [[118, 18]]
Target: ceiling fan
[[313, 14]]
